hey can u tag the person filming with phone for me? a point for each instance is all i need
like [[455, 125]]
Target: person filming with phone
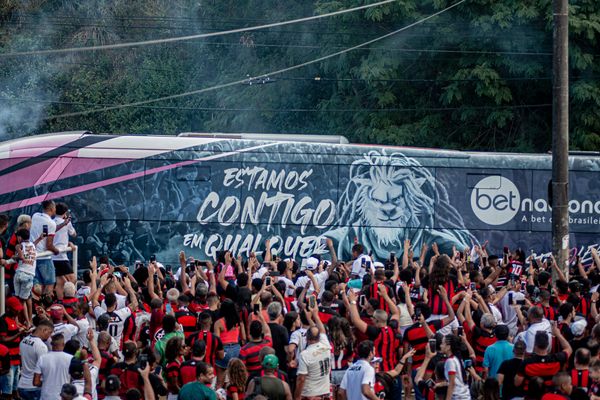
[[42, 224]]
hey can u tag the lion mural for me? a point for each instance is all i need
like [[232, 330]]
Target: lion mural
[[390, 198]]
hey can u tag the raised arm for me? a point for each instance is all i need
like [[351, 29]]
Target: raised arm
[[331, 248], [350, 304], [267, 256]]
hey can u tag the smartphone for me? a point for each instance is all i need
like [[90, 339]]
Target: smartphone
[[312, 302], [168, 308], [256, 309], [392, 256], [468, 363], [417, 313], [363, 261], [473, 286], [520, 302], [459, 331], [362, 300], [432, 345], [153, 258], [157, 370], [268, 281], [143, 360], [45, 230], [68, 214], [168, 269]]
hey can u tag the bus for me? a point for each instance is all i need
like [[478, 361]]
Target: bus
[[133, 196]]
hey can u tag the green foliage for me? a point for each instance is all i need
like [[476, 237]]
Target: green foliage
[[476, 77]]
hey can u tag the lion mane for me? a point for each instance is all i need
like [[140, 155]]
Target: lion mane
[[423, 196]]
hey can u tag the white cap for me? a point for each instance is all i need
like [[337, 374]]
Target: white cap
[[312, 263]]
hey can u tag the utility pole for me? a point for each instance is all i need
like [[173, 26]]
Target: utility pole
[[560, 134]]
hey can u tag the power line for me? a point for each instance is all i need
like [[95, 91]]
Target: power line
[[292, 110], [225, 85], [192, 37]]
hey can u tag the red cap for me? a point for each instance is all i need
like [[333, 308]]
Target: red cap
[[14, 304], [56, 312]]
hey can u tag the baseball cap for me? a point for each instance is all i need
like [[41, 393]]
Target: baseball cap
[[312, 263], [14, 304], [56, 313], [68, 390], [378, 264], [112, 383], [578, 327], [270, 361]]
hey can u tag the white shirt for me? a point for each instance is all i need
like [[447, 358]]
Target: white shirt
[[67, 330], [121, 302], [290, 288], [529, 335], [31, 349], [321, 278], [54, 368], [37, 226], [117, 321], [29, 254], [509, 314], [315, 363], [496, 313], [358, 268], [61, 238], [298, 337], [358, 374], [80, 383], [260, 272], [461, 390], [84, 325]]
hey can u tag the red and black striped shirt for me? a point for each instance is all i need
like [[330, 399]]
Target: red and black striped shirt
[[373, 293], [549, 312], [386, 346], [249, 353], [187, 320], [581, 378], [543, 366], [11, 250], [213, 344], [438, 307], [187, 371], [173, 374], [481, 340], [8, 328], [416, 336]]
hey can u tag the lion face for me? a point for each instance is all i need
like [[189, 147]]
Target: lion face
[[385, 210]]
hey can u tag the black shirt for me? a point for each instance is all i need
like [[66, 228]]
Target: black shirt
[[280, 338], [509, 369]]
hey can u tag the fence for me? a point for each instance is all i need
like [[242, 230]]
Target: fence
[[42, 254]]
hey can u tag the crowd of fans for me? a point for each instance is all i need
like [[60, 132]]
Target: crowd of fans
[[467, 325]]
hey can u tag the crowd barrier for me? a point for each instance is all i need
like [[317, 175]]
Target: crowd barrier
[[42, 254]]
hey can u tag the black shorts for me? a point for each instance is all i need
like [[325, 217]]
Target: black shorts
[[62, 267]]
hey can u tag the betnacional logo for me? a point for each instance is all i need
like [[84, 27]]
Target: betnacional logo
[[495, 200]]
